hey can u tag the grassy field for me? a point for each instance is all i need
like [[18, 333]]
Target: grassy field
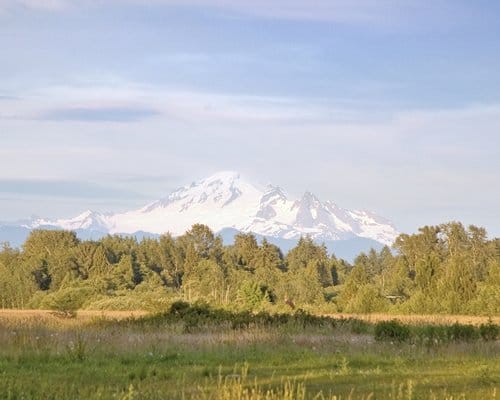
[[90, 315], [419, 319], [111, 356]]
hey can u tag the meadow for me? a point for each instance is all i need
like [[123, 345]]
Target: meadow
[[200, 353]]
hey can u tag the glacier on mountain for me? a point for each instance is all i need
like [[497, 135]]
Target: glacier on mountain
[[226, 200]]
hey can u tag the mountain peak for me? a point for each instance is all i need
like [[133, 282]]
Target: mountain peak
[[225, 200], [274, 191], [85, 214], [223, 176], [310, 198]]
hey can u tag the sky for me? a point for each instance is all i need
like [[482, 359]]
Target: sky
[[387, 105]]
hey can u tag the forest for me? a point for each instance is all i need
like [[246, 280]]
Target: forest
[[448, 269]]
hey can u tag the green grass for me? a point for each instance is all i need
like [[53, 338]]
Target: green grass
[[144, 360]]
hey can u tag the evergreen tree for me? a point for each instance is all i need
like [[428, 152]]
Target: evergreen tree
[[123, 274], [50, 256], [205, 281], [446, 268], [16, 283], [306, 251], [246, 250], [170, 260], [268, 266]]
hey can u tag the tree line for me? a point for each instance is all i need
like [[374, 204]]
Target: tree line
[[441, 269]]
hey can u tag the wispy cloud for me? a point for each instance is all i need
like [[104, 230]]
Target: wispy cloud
[[371, 12], [378, 13], [131, 103], [63, 189], [345, 11], [105, 114], [47, 5]]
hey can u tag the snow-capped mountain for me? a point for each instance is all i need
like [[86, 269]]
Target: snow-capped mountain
[[226, 200], [88, 220]]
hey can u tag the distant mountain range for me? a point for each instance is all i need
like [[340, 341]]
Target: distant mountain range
[[228, 204]]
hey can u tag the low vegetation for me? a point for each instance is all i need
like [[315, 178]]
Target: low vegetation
[[191, 318], [198, 352]]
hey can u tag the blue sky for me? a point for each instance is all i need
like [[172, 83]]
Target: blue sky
[[392, 106]]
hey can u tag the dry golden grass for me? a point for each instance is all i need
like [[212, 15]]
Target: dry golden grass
[[39, 350], [419, 319], [54, 318], [83, 316]]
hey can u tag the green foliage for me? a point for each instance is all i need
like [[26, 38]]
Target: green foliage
[[308, 253], [365, 300], [290, 358], [205, 281], [155, 301], [442, 269], [251, 295], [450, 268], [245, 250], [392, 330], [431, 334], [456, 332], [124, 274], [460, 332], [68, 299], [50, 257], [17, 284], [489, 331], [200, 316]]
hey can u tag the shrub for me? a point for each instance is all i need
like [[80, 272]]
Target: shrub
[[462, 332], [201, 315], [358, 326], [179, 307], [366, 300], [431, 334], [354, 325], [67, 300], [251, 295], [489, 331], [392, 330], [131, 300]]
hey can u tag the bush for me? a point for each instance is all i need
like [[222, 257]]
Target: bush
[[489, 331], [431, 334], [131, 300], [354, 325], [67, 300], [251, 295], [201, 315], [366, 300], [392, 330], [179, 307], [462, 332]]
